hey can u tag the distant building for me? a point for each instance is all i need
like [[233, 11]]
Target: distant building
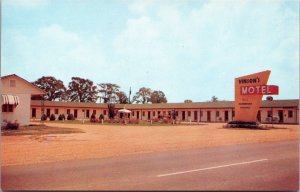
[[284, 111], [16, 95]]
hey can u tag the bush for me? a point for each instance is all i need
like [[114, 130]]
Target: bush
[[243, 124], [10, 126], [101, 116], [61, 117], [134, 121], [52, 117], [70, 117], [165, 120], [44, 117], [93, 118]]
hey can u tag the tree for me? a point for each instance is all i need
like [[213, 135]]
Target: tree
[[122, 98], [111, 111], [143, 95], [158, 97], [108, 92], [82, 90], [214, 99], [188, 101], [54, 88]]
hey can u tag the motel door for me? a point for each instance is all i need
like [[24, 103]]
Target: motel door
[[183, 115], [75, 113], [280, 115], [33, 113], [258, 116], [48, 112], [195, 116], [208, 115], [226, 115], [149, 115]]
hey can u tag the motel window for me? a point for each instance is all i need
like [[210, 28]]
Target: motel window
[[217, 113], [269, 113], [12, 83], [56, 111], [68, 111], [189, 113], [33, 112], [290, 114], [7, 108], [158, 113]]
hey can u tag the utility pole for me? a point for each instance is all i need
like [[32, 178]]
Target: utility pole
[[129, 95]]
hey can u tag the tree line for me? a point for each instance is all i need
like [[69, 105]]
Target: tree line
[[84, 90]]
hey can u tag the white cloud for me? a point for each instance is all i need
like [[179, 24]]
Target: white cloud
[[225, 38], [188, 49], [56, 34], [56, 51], [140, 6]]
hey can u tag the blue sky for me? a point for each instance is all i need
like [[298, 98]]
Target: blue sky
[[189, 49]]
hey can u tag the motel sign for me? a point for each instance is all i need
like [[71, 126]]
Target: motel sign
[[249, 91], [260, 90]]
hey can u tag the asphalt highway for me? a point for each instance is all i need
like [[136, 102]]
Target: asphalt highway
[[266, 166]]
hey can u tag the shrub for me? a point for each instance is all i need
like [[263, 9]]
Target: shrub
[[44, 117], [70, 117], [101, 116], [165, 120], [61, 117], [93, 118], [10, 126], [136, 121], [52, 117], [243, 124]]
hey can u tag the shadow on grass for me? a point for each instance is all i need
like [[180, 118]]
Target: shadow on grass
[[39, 129], [254, 128]]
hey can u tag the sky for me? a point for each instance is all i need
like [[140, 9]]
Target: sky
[[189, 49]]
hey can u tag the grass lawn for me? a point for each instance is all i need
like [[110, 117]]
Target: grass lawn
[[39, 130]]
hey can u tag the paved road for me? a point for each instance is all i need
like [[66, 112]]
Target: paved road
[[267, 166]]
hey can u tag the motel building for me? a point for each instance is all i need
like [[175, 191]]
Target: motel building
[[16, 94], [284, 111]]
